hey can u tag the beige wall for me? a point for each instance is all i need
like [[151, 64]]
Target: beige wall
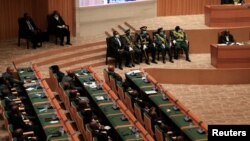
[[98, 19]]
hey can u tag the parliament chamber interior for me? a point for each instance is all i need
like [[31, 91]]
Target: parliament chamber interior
[[123, 70]]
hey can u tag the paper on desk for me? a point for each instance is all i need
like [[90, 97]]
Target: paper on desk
[[54, 121], [77, 74], [99, 97], [151, 92], [30, 89], [21, 71], [90, 84], [134, 71]]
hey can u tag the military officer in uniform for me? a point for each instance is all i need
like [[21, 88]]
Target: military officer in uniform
[[146, 45], [180, 41], [163, 44], [135, 52]]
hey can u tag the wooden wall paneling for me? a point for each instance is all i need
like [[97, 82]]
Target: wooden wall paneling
[[40, 10], [183, 7], [10, 11]]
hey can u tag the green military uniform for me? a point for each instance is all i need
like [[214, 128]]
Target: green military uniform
[[179, 40]]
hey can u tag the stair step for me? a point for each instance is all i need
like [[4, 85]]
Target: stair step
[[60, 57], [98, 62], [56, 51], [82, 60]]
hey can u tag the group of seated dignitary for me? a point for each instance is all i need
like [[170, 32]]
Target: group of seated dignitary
[[133, 48]]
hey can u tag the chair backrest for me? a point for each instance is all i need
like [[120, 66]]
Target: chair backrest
[[89, 133], [73, 110], [128, 102], [109, 52], [120, 92], [138, 113], [148, 124], [159, 134], [21, 31], [80, 123], [106, 76], [113, 84]]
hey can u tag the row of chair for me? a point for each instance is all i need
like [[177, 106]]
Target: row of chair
[[180, 105], [124, 109], [144, 118], [67, 124]]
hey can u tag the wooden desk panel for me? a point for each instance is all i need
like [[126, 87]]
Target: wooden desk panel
[[230, 56], [227, 15]]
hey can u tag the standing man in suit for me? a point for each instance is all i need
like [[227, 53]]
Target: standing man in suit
[[180, 41], [130, 46], [163, 44], [118, 49], [29, 29], [226, 38], [146, 45], [57, 26]]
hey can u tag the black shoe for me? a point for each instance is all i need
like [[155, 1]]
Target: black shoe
[[171, 61], [154, 62], [39, 44], [129, 66], [188, 60], [137, 62], [120, 67], [133, 65], [62, 44], [68, 43], [147, 62], [164, 62]]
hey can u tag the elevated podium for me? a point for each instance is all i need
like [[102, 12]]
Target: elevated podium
[[227, 15], [230, 56]]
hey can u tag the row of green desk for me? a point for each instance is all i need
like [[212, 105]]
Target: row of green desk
[[48, 119], [105, 104], [167, 107]]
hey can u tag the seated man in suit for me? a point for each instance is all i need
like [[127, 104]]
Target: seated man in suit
[[111, 72], [180, 41], [163, 44], [118, 49], [146, 45], [10, 78], [100, 131], [29, 29], [130, 46], [226, 38], [56, 25]]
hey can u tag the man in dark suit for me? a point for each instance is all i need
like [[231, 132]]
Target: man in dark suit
[[226, 38], [146, 45], [163, 44], [9, 78], [118, 49], [30, 30], [130, 46], [56, 25]]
